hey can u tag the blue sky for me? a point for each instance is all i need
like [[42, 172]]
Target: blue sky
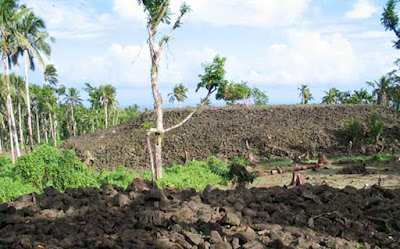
[[274, 45]]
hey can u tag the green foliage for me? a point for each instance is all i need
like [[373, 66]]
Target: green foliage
[[5, 165], [233, 92], [390, 20], [214, 75], [355, 130], [305, 94], [238, 172], [49, 167], [147, 125], [195, 175], [13, 187], [259, 97], [121, 177], [368, 131], [375, 128]]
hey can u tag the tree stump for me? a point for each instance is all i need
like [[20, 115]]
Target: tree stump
[[322, 160], [297, 180]]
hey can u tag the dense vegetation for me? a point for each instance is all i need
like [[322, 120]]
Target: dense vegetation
[[49, 167]]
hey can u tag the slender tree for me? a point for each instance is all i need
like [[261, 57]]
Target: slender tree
[[390, 20], [107, 97], [381, 89], [10, 14], [305, 94], [178, 94], [50, 75], [259, 97], [32, 43], [72, 99], [331, 97]]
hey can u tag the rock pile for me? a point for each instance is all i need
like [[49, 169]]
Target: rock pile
[[146, 217]]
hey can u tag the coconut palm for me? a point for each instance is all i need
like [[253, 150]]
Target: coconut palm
[[107, 98], [72, 99], [305, 94], [10, 14], [18, 85], [31, 42], [178, 94], [381, 89], [331, 97], [50, 75]]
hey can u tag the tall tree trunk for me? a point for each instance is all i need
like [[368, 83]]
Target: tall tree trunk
[[11, 138], [106, 112], [384, 99], [55, 130], [10, 107], [44, 127], [53, 133], [73, 120], [21, 133], [159, 116], [28, 101], [38, 127]]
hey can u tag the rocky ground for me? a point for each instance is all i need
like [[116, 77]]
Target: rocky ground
[[270, 132], [145, 217]]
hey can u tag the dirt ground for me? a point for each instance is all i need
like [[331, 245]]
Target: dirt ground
[[257, 218], [340, 175]]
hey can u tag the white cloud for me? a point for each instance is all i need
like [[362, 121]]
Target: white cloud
[[264, 13], [70, 19], [305, 57], [362, 9]]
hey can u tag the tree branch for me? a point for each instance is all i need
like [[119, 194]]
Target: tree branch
[[190, 115]]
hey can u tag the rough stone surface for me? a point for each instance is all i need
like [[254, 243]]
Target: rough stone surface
[[275, 132]]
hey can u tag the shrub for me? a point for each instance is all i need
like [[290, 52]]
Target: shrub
[[121, 177], [195, 175], [5, 165], [375, 128], [355, 130], [48, 167], [11, 188]]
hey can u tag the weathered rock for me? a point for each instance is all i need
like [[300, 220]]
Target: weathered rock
[[196, 239], [231, 219]]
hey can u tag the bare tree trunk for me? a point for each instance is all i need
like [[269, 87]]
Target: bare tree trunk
[[21, 134], [73, 120], [53, 131], [10, 111], [44, 127], [106, 112], [153, 170], [28, 101], [38, 127]]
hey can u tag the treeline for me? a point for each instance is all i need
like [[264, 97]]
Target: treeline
[[58, 112]]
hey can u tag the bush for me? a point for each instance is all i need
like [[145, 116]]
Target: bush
[[195, 175], [375, 128], [355, 130], [48, 167], [5, 165], [11, 188], [121, 177], [368, 131]]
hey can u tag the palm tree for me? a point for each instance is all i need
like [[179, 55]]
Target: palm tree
[[178, 94], [50, 75], [19, 85], [381, 89], [107, 97], [331, 97], [305, 94], [72, 99], [10, 14], [31, 43]]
